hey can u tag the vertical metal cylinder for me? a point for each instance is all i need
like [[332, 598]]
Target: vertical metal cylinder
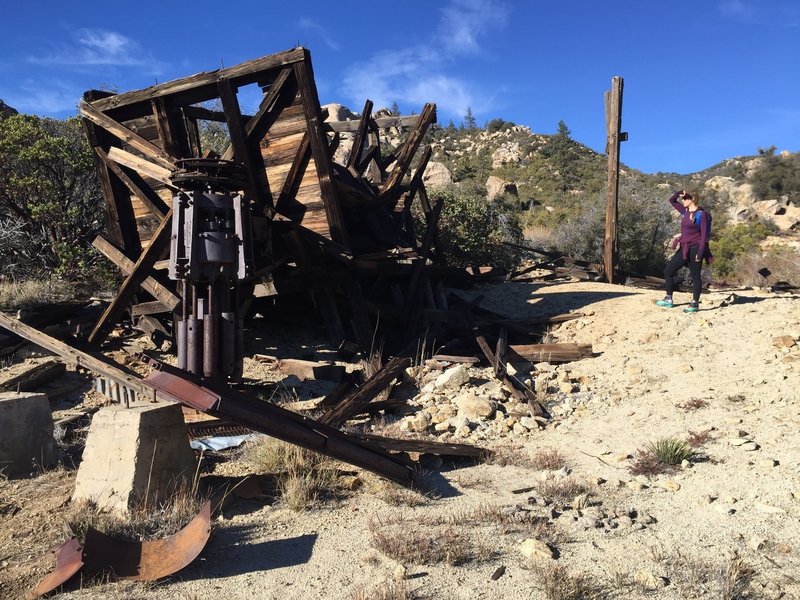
[[180, 341], [227, 344], [194, 345], [210, 356]]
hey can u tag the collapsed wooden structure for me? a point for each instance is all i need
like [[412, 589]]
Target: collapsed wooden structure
[[340, 232]]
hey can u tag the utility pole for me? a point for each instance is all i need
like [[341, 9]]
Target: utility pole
[[614, 136]]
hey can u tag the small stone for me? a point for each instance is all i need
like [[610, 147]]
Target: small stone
[[738, 441], [671, 485], [730, 499], [532, 548], [648, 580], [750, 447], [686, 464], [783, 341], [618, 458], [580, 502], [589, 522], [400, 573], [625, 521], [635, 486], [757, 543], [770, 510], [706, 499], [453, 378], [724, 509], [769, 463]]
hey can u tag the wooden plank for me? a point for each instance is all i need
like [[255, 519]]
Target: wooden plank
[[120, 222], [299, 166], [357, 401], [380, 122], [140, 272], [136, 185], [422, 446], [197, 88], [501, 351], [126, 265], [563, 352], [243, 152], [409, 149], [150, 150], [34, 377], [411, 311], [77, 357], [522, 395], [141, 165], [361, 135], [164, 126], [149, 308], [319, 149]]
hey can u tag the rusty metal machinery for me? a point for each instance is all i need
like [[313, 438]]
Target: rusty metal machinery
[[210, 253]]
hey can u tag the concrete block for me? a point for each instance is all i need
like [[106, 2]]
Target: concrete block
[[26, 432], [134, 457]]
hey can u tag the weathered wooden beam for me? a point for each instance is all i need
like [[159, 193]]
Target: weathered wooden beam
[[360, 137], [165, 127], [423, 446], [380, 122], [141, 165], [149, 308], [501, 350], [563, 352], [280, 95], [74, 356], [149, 149], [120, 219], [165, 297], [34, 377], [411, 311], [357, 401], [409, 149], [197, 88], [522, 395], [242, 150], [319, 149], [158, 244], [136, 185], [296, 171]]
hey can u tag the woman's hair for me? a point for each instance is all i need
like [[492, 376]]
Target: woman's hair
[[688, 196]]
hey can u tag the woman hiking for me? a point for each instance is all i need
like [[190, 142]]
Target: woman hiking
[[692, 248]]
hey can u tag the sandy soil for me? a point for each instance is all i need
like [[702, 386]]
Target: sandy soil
[[730, 515]]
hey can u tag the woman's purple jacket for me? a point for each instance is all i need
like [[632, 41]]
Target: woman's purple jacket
[[692, 233]]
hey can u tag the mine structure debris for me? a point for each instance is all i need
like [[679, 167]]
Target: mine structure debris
[[269, 223]]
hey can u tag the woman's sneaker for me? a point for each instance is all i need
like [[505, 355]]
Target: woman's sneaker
[[693, 307], [666, 302]]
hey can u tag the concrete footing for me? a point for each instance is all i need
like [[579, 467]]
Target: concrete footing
[[26, 433], [138, 456]]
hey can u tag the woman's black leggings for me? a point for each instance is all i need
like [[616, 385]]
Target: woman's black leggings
[[675, 263]]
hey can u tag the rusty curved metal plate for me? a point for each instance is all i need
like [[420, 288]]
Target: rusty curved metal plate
[[149, 560], [68, 562]]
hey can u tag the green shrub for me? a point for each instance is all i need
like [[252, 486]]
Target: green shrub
[[472, 231], [733, 241]]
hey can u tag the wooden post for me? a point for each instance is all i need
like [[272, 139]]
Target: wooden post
[[613, 102]]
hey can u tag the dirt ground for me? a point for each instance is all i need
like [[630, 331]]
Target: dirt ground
[[726, 524]]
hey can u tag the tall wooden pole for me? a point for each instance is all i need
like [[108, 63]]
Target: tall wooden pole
[[613, 99]]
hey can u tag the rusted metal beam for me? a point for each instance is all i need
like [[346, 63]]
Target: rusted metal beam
[[274, 421]]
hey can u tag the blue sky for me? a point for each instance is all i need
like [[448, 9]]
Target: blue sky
[[705, 80]]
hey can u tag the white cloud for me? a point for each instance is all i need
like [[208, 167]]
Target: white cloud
[[98, 47], [45, 98], [310, 25], [425, 72]]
